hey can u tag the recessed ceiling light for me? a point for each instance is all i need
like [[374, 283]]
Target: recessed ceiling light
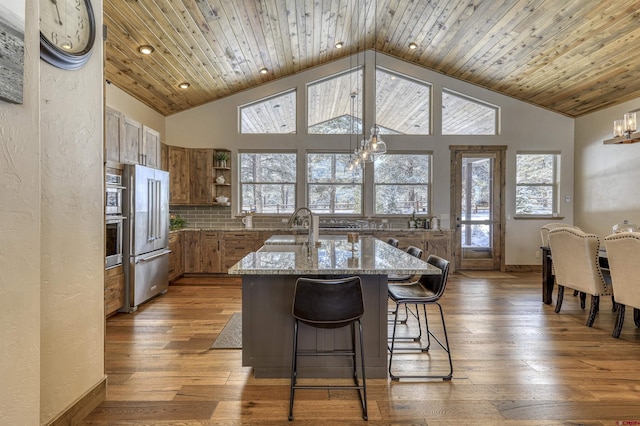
[[413, 46], [263, 70], [146, 49], [339, 45], [184, 85]]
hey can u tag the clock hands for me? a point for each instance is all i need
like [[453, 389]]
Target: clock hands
[[55, 2]]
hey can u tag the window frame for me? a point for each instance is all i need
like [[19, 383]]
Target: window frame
[[497, 108], [293, 90], [358, 90], [429, 185], [554, 185], [308, 184], [241, 182]]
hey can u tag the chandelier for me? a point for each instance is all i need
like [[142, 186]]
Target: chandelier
[[368, 148]]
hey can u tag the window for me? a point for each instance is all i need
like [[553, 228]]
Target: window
[[331, 188], [276, 114], [536, 184], [462, 115], [331, 107], [403, 104], [268, 182], [402, 184]]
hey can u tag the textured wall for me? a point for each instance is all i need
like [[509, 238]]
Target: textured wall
[[607, 176], [72, 252], [20, 244]]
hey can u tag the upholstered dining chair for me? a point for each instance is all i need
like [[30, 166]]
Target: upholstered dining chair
[[623, 252], [575, 256], [544, 231]]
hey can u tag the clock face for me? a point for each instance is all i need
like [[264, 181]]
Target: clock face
[[67, 32]]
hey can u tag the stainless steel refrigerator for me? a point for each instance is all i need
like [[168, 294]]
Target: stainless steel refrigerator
[[146, 236]]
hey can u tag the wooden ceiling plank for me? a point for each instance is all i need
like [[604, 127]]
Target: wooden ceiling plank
[[394, 20], [463, 38], [206, 16], [276, 25], [543, 37], [560, 62], [249, 14]]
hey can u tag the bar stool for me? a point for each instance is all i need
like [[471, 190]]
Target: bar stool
[[413, 251], [426, 291], [332, 304], [393, 241]]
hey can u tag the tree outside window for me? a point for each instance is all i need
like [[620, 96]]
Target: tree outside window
[[536, 184], [331, 188], [268, 182], [402, 184]]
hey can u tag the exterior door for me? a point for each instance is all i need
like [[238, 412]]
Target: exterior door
[[477, 206]]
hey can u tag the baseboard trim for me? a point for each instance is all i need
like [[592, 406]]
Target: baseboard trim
[[83, 406]]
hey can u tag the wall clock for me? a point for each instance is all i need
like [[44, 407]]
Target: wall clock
[[67, 32]]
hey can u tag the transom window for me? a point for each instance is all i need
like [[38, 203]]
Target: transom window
[[331, 188], [536, 184], [268, 182], [334, 104], [462, 115], [276, 114], [402, 184], [403, 104]]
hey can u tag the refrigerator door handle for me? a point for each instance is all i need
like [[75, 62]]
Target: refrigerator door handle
[[155, 256], [157, 209], [150, 204]]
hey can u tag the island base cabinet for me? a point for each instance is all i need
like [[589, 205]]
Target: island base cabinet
[[267, 330]]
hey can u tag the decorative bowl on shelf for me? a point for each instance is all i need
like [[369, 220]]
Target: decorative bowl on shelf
[[222, 199]]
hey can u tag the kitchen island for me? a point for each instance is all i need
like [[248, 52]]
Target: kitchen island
[[268, 279]]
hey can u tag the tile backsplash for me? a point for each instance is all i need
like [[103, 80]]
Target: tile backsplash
[[215, 217]]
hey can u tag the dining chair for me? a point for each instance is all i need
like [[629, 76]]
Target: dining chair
[[623, 252], [329, 304], [544, 234], [393, 241], [426, 291], [575, 256]]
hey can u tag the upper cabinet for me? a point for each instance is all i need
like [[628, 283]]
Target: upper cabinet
[[198, 177], [130, 142]]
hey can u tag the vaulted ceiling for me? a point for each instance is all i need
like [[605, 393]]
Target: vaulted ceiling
[[570, 56]]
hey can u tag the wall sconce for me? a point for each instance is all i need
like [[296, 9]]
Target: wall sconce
[[618, 128], [630, 123]]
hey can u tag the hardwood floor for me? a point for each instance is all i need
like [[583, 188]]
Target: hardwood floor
[[516, 362]]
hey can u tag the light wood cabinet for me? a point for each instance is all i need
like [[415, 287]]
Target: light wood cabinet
[[178, 159], [113, 289], [191, 245], [176, 257], [200, 176], [210, 252], [113, 135], [439, 243], [237, 244], [149, 149], [130, 142]]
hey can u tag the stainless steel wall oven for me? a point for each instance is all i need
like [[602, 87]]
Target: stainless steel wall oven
[[114, 232]]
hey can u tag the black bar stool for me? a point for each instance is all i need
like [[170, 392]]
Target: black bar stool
[[329, 303], [426, 291]]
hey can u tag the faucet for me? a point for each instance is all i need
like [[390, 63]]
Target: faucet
[[295, 215]]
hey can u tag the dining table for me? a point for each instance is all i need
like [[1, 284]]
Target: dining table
[[269, 276]]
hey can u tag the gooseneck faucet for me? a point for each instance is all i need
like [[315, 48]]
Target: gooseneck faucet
[[293, 217]]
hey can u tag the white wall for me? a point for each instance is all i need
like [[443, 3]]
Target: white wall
[[607, 176], [20, 243], [51, 236], [524, 127]]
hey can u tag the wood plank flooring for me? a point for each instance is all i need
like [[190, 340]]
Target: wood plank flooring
[[516, 362]]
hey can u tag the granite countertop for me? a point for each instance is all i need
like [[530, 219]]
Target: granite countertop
[[287, 255], [304, 230]]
